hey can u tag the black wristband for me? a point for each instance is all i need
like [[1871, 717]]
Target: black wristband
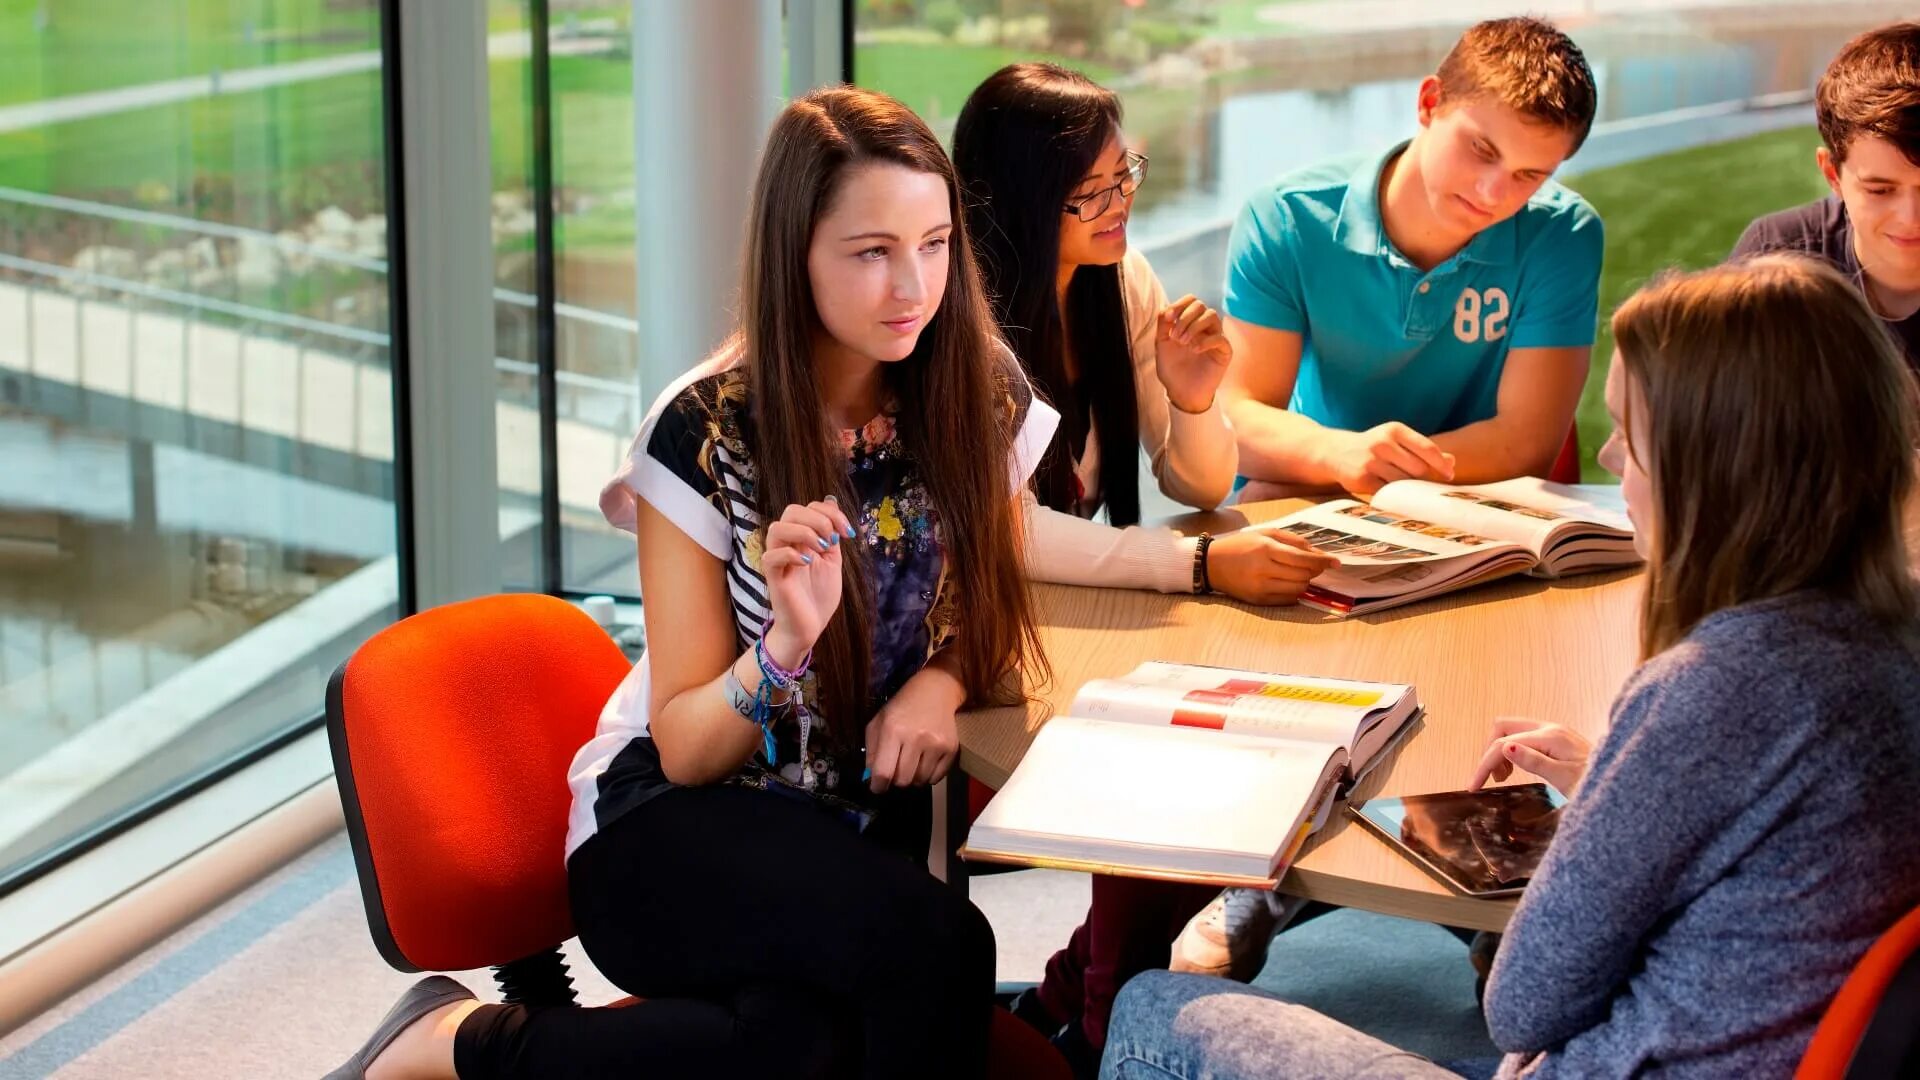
[[1201, 582]]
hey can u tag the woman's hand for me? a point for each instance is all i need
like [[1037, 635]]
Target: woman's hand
[[914, 739], [1553, 753], [1264, 566], [1190, 354], [802, 563]]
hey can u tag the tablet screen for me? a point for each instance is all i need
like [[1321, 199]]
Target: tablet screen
[[1485, 841]]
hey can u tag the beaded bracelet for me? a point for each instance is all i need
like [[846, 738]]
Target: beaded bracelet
[[1202, 583], [774, 677]]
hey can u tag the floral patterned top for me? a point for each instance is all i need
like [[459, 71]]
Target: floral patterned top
[[694, 462]]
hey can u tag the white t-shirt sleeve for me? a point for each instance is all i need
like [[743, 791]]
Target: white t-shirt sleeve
[[664, 467]]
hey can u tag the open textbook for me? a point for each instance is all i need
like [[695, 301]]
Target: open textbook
[[1190, 773], [1418, 539]]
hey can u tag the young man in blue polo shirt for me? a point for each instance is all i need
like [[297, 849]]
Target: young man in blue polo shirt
[[1868, 106], [1426, 312]]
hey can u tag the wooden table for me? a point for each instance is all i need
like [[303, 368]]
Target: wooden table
[[1552, 650]]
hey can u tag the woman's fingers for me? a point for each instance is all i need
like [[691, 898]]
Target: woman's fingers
[[775, 560], [1491, 766], [1507, 725], [1545, 766], [1190, 316], [830, 507], [1293, 551], [883, 759], [826, 522], [791, 534]]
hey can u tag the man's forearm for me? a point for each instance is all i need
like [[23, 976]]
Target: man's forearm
[[1491, 450], [1280, 445]]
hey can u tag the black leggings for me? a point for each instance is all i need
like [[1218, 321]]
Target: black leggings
[[767, 939]]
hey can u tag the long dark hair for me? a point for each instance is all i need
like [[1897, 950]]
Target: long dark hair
[[951, 393], [1025, 139], [1775, 402]]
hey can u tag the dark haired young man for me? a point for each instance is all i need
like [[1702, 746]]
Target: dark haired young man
[[1868, 106]]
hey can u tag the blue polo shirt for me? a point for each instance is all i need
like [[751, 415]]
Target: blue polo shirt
[[1384, 340]]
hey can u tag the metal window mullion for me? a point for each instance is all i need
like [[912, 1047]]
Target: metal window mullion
[[545, 345]]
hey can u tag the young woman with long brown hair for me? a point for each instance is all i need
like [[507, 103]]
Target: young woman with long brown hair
[[1745, 828], [826, 516]]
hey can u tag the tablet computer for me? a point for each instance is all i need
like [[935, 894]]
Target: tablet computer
[[1480, 843]]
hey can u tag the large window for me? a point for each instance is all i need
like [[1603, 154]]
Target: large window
[[196, 433], [1703, 124], [587, 100]]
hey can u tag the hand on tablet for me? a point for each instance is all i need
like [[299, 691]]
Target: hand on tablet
[[1553, 753]]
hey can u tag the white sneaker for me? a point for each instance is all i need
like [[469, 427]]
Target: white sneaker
[[1229, 937]]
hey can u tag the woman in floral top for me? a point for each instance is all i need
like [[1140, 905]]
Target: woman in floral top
[[826, 521]]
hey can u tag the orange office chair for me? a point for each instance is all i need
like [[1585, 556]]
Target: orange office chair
[[1872, 1029], [451, 732]]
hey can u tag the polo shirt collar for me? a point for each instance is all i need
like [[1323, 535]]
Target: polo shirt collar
[[1360, 229]]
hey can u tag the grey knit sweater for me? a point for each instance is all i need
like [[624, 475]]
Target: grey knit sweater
[[1746, 829]]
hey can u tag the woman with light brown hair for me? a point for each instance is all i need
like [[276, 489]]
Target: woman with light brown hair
[[1746, 828], [826, 512]]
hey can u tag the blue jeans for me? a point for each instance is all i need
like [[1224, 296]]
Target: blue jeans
[[1190, 1027]]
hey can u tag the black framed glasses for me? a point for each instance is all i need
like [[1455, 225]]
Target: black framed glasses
[[1090, 207]]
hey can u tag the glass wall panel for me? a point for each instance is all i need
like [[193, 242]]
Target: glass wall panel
[[598, 341], [517, 408], [1226, 95], [196, 430], [589, 94]]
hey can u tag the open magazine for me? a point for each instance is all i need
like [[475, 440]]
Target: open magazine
[[1418, 539], [1190, 773]]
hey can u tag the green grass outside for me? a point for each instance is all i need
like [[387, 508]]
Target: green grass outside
[[1684, 209], [106, 44], [934, 80], [291, 149]]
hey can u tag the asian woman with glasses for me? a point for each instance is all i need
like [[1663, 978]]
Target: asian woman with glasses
[[1049, 185]]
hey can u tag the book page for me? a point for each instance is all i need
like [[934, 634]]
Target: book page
[[1332, 711], [1528, 511], [1361, 535], [1155, 787]]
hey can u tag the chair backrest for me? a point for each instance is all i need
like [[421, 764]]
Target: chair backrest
[[1872, 1029], [1566, 464], [451, 733]]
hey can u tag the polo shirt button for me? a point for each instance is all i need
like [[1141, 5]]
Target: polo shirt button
[[1424, 286]]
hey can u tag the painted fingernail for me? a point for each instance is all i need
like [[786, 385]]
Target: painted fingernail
[[833, 538], [806, 558], [822, 541], [833, 498], [849, 532]]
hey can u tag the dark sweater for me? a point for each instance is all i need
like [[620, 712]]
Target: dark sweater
[[1746, 829], [1821, 228]]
